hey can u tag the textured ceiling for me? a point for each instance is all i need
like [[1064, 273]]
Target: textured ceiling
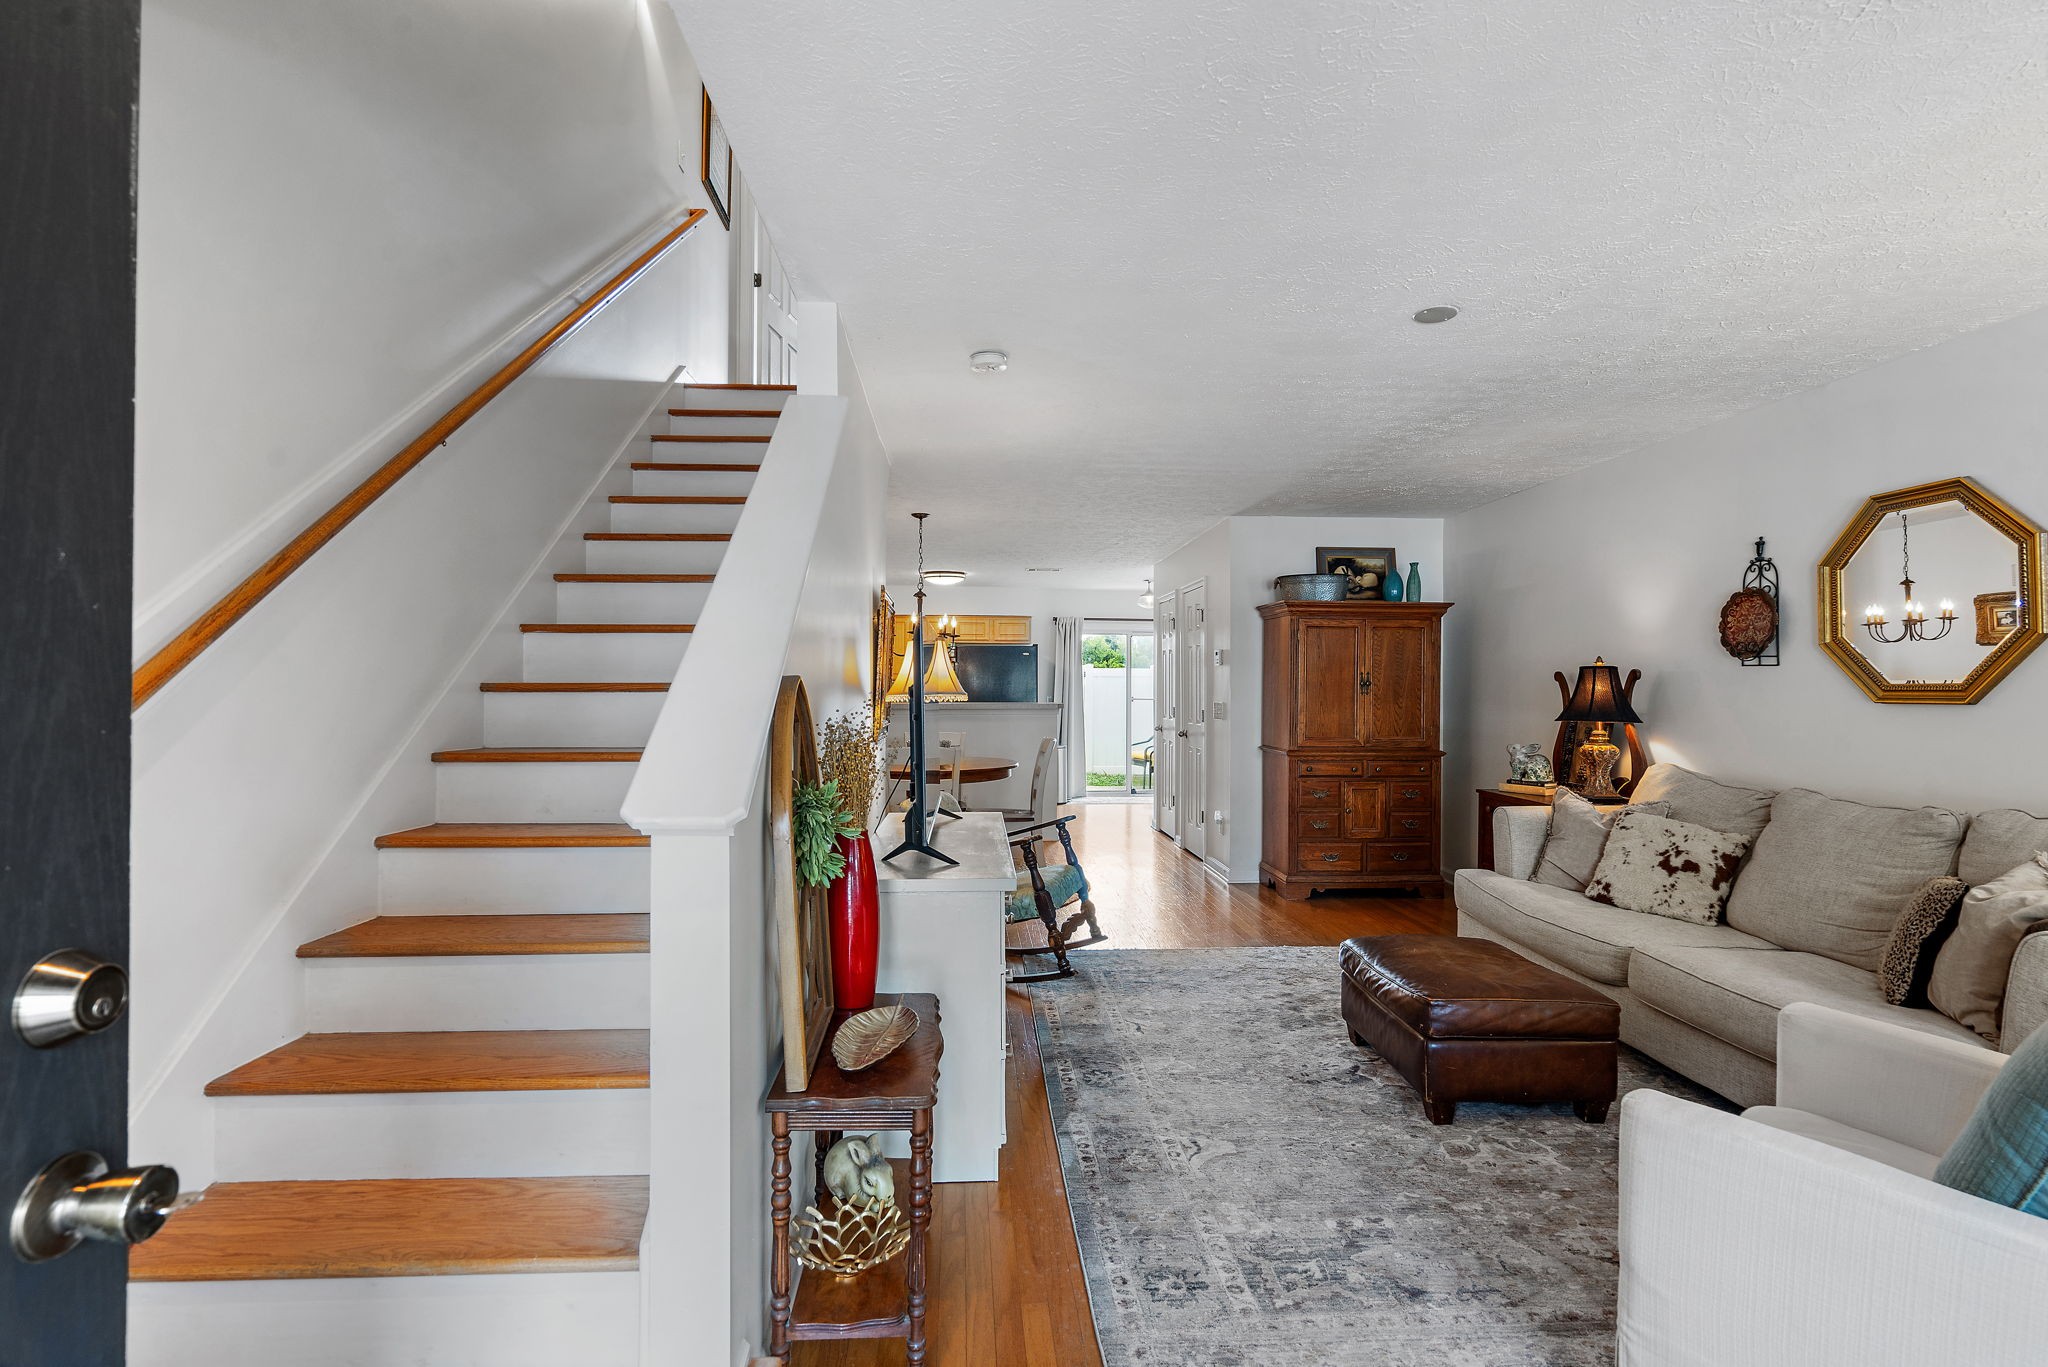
[[1200, 229]]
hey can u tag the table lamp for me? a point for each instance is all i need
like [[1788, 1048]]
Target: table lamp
[[1598, 699]]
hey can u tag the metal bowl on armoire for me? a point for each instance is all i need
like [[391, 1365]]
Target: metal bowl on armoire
[[1312, 588]]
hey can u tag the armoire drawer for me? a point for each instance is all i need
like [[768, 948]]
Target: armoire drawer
[[1323, 823], [1393, 858], [1400, 768], [1417, 796], [1411, 825], [1349, 768], [1330, 857], [1317, 792]]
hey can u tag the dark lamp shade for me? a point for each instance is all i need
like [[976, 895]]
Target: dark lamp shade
[[1598, 696]]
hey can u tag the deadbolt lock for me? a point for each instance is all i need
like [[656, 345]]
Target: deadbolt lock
[[76, 1198], [70, 993]]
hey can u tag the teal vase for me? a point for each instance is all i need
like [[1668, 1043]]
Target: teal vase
[[1414, 581], [1391, 590]]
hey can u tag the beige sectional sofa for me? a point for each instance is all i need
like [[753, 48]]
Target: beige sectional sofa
[[1807, 921]]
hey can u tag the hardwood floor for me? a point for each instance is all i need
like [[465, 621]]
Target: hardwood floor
[[1006, 1287]]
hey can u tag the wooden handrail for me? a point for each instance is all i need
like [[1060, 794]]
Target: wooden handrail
[[182, 649]]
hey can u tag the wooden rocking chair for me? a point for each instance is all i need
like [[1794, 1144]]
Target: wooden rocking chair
[[1041, 891]]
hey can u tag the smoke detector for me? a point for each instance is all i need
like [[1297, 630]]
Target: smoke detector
[[989, 362]]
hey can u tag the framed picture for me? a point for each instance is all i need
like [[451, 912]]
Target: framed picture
[[715, 163], [1367, 567], [1998, 616]]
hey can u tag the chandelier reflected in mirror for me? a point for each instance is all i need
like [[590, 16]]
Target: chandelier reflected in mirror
[[1913, 623]]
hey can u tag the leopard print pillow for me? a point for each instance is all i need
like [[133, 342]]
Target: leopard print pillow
[[1917, 937], [1667, 868]]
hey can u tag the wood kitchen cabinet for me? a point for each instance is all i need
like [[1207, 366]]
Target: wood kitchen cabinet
[[1351, 747]]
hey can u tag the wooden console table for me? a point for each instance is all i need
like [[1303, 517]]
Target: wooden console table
[[896, 1094], [1490, 800]]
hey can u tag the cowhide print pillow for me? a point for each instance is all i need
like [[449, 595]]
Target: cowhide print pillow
[[1667, 868], [1917, 937]]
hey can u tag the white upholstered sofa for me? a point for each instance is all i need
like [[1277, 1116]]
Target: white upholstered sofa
[[1808, 1233], [1806, 921]]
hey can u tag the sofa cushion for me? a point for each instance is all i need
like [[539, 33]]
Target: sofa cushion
[[1999, 841], [1579, 934], [2002, 1154], [1836, 1135], [1704, 801], [1917, 936], [1578, 834], [1736, 994], [1668, 868], [1971, 970], [1830, 876]]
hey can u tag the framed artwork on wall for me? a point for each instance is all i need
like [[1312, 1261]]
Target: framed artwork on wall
[[715, 162], [1998, 616], [1365, 567]]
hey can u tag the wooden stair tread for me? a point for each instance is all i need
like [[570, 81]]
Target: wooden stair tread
[[725, 412], [780, 388], [256, 1231], [443, 1061], [696, 465], [401, 937], [720, 500], [717, 437], [634, 578], [657, 536], [513, 835], [536, 754], [522, 686], [607, 628]]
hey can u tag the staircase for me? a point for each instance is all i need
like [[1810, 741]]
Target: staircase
[[471, 1100]]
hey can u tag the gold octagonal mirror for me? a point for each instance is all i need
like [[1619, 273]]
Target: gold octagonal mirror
[[1932, 594]]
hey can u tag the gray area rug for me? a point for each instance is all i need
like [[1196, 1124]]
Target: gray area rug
[[1250, 1189]]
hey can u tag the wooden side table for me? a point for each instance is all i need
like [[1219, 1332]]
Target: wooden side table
[[896, 1094], [1490, 800]]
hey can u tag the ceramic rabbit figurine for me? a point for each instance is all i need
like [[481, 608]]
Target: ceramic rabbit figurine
[[855, 1170]]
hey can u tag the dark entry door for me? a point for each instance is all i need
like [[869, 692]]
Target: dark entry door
[[67, 428]]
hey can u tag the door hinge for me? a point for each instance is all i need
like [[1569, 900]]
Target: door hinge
[[757, 279]]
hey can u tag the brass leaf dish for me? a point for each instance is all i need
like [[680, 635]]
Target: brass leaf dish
[[856, 1236], [871, 1036]]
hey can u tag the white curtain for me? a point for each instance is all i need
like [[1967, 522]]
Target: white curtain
[[1066, 691]]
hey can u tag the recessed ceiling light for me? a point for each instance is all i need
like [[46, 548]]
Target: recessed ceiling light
[[1041, 569], [945, 579], [1440, 313], [989, 362]]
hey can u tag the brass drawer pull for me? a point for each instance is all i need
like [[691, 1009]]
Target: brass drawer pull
[[1400, 856], [1319, 792], [1411, 793], [1411, 825], [1329, 859], [1319, 825]]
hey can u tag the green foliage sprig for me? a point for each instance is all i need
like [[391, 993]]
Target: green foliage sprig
[[817, 821]]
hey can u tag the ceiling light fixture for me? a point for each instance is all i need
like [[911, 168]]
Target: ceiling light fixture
[[1145, 598], [1440, 313], [945, 579], [989, 362]]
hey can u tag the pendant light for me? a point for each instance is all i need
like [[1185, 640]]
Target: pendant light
[[1145, 598]]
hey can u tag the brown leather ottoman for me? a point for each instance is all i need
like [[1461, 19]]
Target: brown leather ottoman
[[1471, 1020]]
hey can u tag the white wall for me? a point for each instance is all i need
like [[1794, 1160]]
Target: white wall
[[1239, 558], [345, 213], [1632, 559]]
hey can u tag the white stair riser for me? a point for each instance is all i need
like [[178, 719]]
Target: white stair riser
[[694, 483], [603, 656], [478, 992], [630, 602], [544, 1319], [571, 718], [676, 517], [589, 1133], [513, 881], [531, 792], [734, 398], [721, 427], [653, 557]]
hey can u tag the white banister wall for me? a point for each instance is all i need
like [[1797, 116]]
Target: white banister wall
[[794, 594]]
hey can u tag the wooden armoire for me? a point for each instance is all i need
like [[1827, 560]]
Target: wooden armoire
[[1350, 746]]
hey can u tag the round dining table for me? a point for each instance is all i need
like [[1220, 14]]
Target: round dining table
[[973, 769]]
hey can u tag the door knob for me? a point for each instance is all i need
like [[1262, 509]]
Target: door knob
[[1181, 734], [70, 993], [76, 1198]]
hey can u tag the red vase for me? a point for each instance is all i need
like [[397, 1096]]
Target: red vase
[[856, 926]]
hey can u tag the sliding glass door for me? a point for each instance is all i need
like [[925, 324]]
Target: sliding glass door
[[1116, 712]]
